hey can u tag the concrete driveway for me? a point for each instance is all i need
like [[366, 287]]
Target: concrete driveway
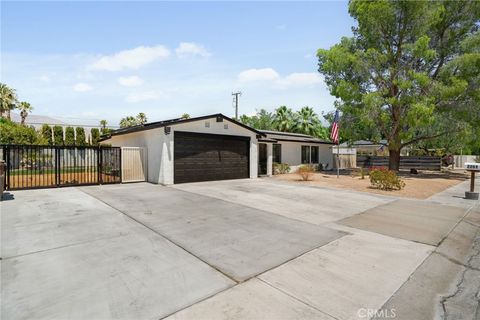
[[239, 249]]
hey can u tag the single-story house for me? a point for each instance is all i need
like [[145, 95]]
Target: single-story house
[[216, 147]]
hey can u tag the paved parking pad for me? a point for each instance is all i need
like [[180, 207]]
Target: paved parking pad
[[39, 220], [132, 273], [253, 299], [419, 221], [354, 273], [240, 241], [310, 204]]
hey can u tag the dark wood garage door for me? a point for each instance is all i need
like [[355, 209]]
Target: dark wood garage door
[[206, 157]]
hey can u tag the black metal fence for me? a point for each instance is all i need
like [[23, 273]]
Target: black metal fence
[[32, 166]]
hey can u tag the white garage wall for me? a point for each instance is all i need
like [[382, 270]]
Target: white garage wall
[[150, 139]]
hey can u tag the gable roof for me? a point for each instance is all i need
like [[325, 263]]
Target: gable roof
[[171, 122]]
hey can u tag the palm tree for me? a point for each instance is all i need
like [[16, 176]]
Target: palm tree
[[185, 116], [25, 109], [103, 124], [141, 118], [128, 122], [284, 119], [8, 100], [307, 121]]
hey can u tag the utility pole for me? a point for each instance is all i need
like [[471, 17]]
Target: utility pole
[[235, 102]]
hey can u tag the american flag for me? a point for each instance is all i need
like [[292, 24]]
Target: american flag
[[334, 133]]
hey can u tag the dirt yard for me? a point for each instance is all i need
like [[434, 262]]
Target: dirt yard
[[420, 186]]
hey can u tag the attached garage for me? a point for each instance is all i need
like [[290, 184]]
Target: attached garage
[[207, 157], [213, 147]]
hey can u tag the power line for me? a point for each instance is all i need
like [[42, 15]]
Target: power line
[[235, 101]]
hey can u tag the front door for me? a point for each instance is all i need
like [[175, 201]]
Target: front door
[[262, 159]]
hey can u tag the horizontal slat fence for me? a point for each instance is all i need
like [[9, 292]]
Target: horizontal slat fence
[[406, 162]]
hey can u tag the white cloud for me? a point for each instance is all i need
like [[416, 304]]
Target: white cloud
[[132, 81], [82, 87], [143, 96], [191, 49], [301, 79], [251, 75], [44, 78], [269, 75], [131, 59]]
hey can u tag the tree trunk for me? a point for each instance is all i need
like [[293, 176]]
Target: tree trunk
[[394, 159]]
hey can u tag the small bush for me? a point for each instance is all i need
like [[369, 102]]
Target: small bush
[[306, 172], [281, 168], [385, 179]]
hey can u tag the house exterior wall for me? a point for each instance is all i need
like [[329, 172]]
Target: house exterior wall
[[292, 153], [150, 139], [161, 146]]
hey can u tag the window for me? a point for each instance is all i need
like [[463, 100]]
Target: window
[[277, 153], [314, 153], [305, 154]]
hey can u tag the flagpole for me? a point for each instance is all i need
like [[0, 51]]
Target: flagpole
[[338, 158]]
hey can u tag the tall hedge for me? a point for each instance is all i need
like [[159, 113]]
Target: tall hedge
[[58, 135], [95, 134], [80, 136], [46, 132], [69, 136]]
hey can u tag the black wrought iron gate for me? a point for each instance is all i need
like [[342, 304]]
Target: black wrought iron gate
[[32, 166]]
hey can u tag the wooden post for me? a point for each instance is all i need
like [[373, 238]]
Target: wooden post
[[472, 181]]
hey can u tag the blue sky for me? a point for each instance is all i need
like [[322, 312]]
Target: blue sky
[[85, 61]]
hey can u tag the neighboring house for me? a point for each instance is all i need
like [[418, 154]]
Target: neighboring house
[[215, 147], [37, 121], [365, 147]]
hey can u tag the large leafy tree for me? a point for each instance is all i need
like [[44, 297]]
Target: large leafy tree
[[408, 64], [8, 100], [262, 120]]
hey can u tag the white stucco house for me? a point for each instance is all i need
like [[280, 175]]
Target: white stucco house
[[216, 147]]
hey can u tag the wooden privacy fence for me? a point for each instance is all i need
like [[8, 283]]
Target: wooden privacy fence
[[406, 162], [134, 164], [36, 166]]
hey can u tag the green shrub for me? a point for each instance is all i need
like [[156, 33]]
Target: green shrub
[[14, 133], [80, 139], [281, 168], [47, 134], [385, 179], [58, 135], [306, 172], [95, 135], [69, 136]]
